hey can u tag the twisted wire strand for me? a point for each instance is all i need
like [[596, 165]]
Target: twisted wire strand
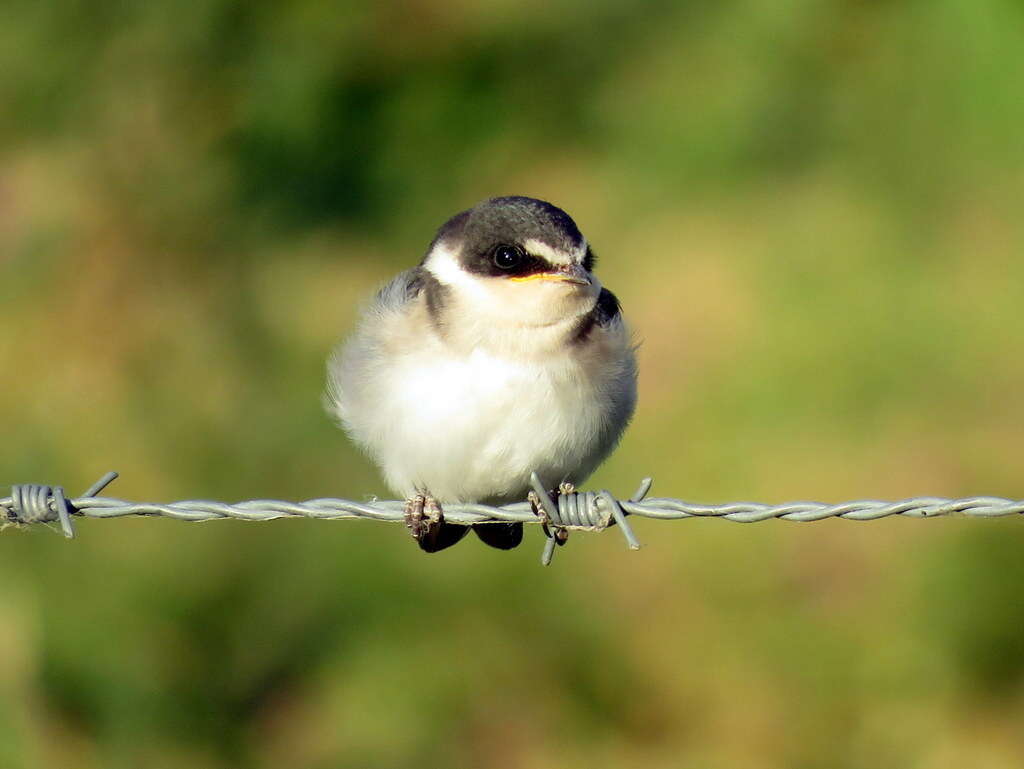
[[465, 513], [591, 511]]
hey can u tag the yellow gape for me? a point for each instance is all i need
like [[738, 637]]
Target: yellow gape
[[557, 276]]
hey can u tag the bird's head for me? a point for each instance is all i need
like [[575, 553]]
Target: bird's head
[[515, 260]]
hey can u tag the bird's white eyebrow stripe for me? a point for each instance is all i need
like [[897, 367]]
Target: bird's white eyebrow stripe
[[444, 265], [552, 255]]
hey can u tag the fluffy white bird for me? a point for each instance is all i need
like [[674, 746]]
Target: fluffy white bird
[[500, 354]]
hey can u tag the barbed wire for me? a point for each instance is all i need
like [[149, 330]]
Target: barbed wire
[[566, 511]]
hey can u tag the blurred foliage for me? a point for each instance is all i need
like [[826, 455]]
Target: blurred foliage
[[812, 213]]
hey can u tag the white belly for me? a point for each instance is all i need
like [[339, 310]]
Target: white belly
[[472, 428]]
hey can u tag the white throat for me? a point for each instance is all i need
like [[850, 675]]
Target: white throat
[[525, 320]]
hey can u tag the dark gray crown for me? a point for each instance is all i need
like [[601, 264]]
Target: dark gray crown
[[512, 219], [509, 220]]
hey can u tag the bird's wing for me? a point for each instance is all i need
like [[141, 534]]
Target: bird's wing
[[606, 316], [397, 293], [352, 367], [604, 328]]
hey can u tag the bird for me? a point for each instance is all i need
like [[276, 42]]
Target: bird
[[499, 354]]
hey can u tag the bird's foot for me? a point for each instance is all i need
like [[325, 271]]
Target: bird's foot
[[417, 519], [425, 520]]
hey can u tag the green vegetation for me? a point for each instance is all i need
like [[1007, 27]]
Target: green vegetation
[[812, 212]]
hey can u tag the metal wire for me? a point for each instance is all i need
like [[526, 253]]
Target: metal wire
[[585, 511]]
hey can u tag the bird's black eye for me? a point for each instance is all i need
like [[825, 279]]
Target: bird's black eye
[[507, 257]]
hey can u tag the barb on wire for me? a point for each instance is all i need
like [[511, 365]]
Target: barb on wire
[[580, 510], [584, 511], [37, 503]]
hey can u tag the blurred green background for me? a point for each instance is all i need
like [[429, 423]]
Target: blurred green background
[[812, 213]]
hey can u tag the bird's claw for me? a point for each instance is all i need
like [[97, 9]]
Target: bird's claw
[[423, 515], [425, 521]]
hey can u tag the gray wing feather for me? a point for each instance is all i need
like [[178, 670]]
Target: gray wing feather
[[398, 292], [350, 364]]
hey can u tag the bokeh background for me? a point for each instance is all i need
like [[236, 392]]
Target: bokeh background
[[812, 213]]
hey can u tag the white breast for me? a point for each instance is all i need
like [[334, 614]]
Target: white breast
[[472, 428], [467, 411]]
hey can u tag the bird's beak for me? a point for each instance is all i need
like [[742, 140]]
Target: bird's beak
[[570, 273]]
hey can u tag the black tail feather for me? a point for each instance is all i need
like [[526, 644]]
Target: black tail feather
[[503, 536]]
